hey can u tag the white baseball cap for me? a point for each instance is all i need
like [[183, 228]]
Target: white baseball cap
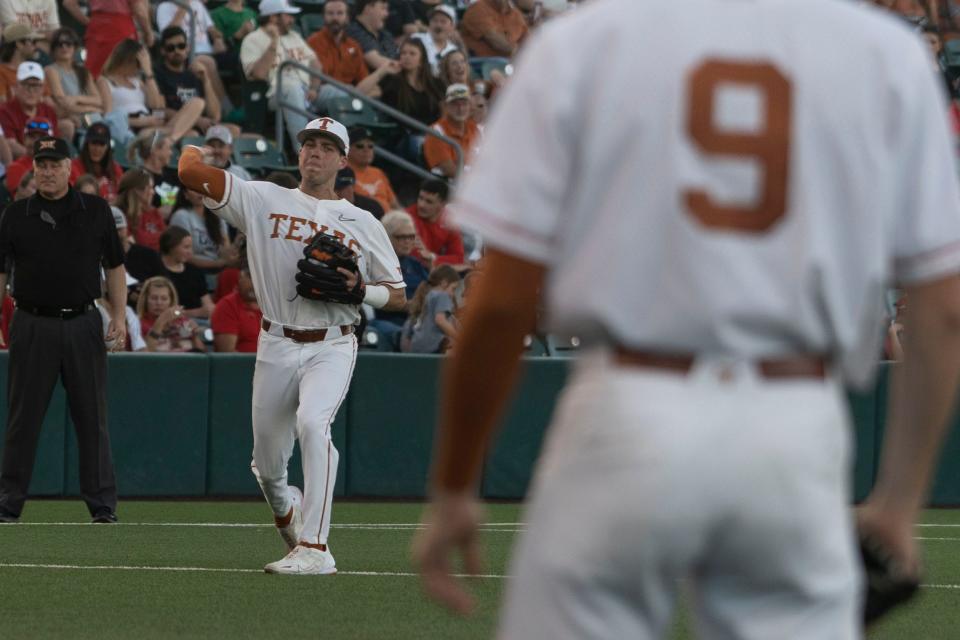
[[446, 10], [327, 127], [273, 7], [219, 132], [28, 70]]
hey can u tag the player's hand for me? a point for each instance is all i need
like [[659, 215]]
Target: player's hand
[[116, 335], [451, 527], [892, 530]]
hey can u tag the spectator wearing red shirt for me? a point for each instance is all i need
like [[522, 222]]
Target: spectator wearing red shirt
[[36, 128], [437, 243], [27, 104], [135, 199], [236, 319]]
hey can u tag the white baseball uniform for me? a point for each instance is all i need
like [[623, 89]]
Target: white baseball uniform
[[738, 182], [298, 388]]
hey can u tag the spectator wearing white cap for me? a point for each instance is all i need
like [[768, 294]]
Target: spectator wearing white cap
[[19, 45], [273, 43], [27, 104], [441, 37], [456, 124], [220, 140]]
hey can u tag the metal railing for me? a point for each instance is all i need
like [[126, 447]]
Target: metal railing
[[352, 91]]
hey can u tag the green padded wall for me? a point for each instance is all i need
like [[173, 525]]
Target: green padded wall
[[48, 468], [511, 461], [392, 409], [158, 425], [231, 432]]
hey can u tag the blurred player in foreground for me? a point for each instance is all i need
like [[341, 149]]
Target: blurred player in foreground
[[716, 214]]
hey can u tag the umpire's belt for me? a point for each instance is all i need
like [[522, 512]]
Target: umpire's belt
[[64, 313], [306, 335], [799, 366]]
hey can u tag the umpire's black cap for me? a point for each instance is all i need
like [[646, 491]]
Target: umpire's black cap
[[50, 147]]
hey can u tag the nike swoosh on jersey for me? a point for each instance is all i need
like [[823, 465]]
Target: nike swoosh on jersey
[[342, 219], [206, 187]]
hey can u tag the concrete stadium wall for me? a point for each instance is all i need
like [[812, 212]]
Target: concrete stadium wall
[[180, 426]]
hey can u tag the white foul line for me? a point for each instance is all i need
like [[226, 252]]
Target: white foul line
[[77, 567], [399, 526]]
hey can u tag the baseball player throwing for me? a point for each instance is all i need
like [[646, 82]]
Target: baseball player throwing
[[307, 346], [716, 215]]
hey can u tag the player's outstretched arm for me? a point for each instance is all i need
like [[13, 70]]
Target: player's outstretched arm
[[923, 390], [202, 178], [489, 346]]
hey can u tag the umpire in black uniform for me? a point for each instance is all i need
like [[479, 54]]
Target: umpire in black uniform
[[56, 242]]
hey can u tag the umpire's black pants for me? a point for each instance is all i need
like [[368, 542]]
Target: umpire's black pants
[[41, 351]]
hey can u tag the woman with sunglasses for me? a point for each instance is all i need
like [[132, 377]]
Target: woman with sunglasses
[[71, 85], [96, 159]]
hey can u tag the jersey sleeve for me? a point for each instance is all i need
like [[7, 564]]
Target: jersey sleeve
[[233, 200], [383, 266], [514, 193], [926, 229]]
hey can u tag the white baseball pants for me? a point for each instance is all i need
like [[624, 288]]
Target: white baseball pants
[[730, 486], [297, 389]]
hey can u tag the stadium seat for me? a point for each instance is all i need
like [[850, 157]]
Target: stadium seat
[[254, 100], [354, 111], [310, 23], [259, 156]]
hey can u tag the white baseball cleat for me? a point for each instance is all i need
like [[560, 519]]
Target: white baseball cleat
[[291, 532], [304, 561]]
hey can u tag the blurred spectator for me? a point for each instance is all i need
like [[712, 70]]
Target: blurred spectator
[[135, 105], [431, 327], [409, 86], [96, 159], [401, 20], [440, 157], [340, 55], [236, 319], [479, 102], [493, 28], [442, 38], [178, 84], [220, 141], [436, 242], [893, 342], [273, 43], [211, 246], [35, 129], [153, 151], [39, 15], [26, 105], [283, 179], [135, 199], [371, 181], [19, 45], [403, 237], [134, 339], [234, 20], [26, 187], [207, 43], [176, 251], [368, 29], [109, 23], [455, 69], [71, 86], [344, 186], [141, 262], [163, 322], [86, 183]]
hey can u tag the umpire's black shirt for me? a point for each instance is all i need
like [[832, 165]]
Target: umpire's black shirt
[[56, 248]]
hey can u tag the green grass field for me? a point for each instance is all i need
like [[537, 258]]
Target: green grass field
[[194, 569]]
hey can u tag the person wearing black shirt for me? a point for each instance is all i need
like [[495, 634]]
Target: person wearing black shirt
[[55, 242], [176, 248], [344, 187], [179, 84]]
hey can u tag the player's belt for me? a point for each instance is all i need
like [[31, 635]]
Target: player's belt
[[307, 335], [800, 366], [64, 313]]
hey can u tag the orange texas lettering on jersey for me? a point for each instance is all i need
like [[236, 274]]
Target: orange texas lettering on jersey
[[297, 229]]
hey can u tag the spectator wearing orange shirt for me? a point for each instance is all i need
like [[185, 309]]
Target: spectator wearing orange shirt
[[457, 125], [236, 319], [493, 28], [340, 55], [370, 181], [436, 242]]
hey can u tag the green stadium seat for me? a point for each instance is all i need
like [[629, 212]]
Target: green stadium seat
[[259, 156], [310, 23], [354, 111]]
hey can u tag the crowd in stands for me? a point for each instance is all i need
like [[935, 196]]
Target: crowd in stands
[[127, 82]]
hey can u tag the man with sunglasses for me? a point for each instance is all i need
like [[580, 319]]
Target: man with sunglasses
[[19, 45], [36, 128], [179, 83], [27, 104]]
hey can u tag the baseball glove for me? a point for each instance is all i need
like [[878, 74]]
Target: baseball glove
[[887, 585], [317, 275]]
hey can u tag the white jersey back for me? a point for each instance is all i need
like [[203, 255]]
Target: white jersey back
[[278, 222], [729, 177]]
